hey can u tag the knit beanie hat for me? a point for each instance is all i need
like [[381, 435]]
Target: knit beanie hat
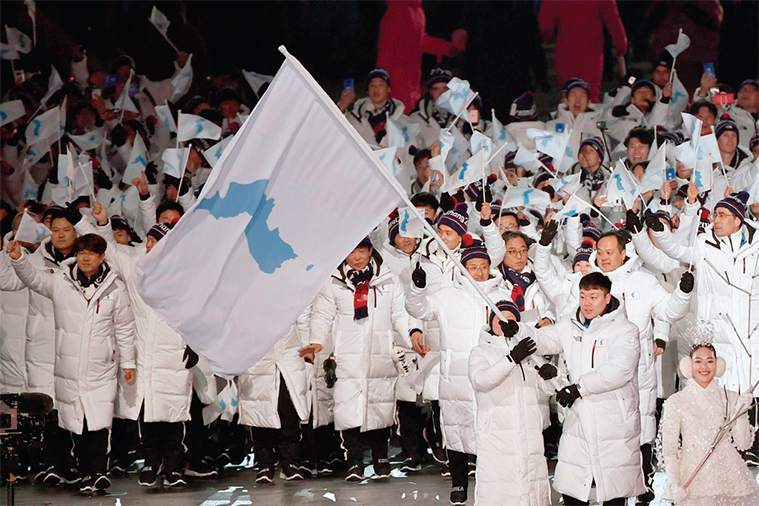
[[543, 176], [644, 82], [583, 253], [439, 75], [524, 108], [725, 123], [381, 73], [595, 143], [576, 83], [591, 232], [159, 230], [472, 248], [506, 305], [735, 203], [393, 226], [754, 142], [456, 219]]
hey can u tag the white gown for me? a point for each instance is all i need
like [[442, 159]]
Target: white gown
[[697, 414]]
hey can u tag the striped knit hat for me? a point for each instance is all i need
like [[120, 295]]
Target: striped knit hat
[[472, 248], [159, 230], [506, 305], [583, 253], [735, 203], [596, 144], [725, 123], [456, 219]]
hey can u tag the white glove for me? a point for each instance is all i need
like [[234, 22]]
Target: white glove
[[746, 398], [678, 493]]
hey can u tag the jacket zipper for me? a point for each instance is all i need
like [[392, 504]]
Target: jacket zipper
[[593, 355]]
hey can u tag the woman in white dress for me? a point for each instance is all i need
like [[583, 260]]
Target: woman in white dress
[[697, 413]]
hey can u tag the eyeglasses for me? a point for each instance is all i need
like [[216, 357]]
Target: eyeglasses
[[508, 227], [517, 252], [478, 268], [722, 216]]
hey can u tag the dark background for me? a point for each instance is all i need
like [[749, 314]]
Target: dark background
[[334, 40]]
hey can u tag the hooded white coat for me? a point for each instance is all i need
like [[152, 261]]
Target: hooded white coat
[[511, 466]]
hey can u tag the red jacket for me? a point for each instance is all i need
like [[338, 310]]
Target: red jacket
[[402, 40], [577, 28]]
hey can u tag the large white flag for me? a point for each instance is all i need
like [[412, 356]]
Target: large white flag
[[248, 260], [457, 97], [683, 43], [138, 160], [160, 21], [679, 101], [622, 185], [54, 83], [182, 81], [554, 144], [18, 40], [45, 126], [89, 140], [471, 171], [194, 127], [11, 111], [525, 197], [656, 171], [256, 80], [30, 231]]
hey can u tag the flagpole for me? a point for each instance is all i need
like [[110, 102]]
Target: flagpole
[[127, 86], [674, 59], [463, 110], [184, 167], [166, 37]]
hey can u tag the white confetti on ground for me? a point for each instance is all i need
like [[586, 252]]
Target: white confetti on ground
[[306, 492], [330, 496]]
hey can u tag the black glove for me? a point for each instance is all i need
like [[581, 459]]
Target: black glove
[[509, 328], [446, 202], [523, 349], [661, 343], [419, 277], [118, 135], [547, 371], [73, 214], [687, 282], [549, 232], [330, 376], [151, 173], [190, 358], [653, 222], [568, 395], [185, 187], [633, 223]]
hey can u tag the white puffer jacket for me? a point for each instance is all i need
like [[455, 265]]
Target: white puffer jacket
[[39, 352], [601, 438], [163, 384], [14, 311], [258, 387], [358, 116], [727, 270], [364, 393], [511, 466], [89, 337], [645, 300], [461, 313]]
